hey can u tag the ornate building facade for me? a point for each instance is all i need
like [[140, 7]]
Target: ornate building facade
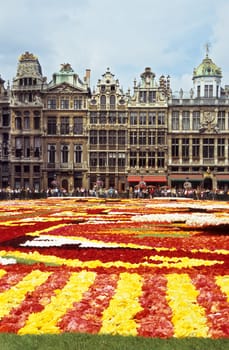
[[61, 135]]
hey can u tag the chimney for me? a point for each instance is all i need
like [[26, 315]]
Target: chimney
[[87, 76]]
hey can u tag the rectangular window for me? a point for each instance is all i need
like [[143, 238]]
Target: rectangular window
[[121, 118], [93, 159], [18, 147], [112, 159], [152, 96], [103, 118], [196, 148], [160, 159], [151, 159], [77, 103], [93, 118], [64, 125], [112, 137], [142, 159], [175, 120], [52, 126], [121, 159], [208, 91], [112, 118], [161, 138], [185, 148], [221, 148], [133, 138], [208, 149], [93, 137], [221, 120], [142, 138], [78, 125], [26, 123], [175, 148], [151, 138], [143, 96], [152, 118], [102, 159], [186, 120], [51, 103], [102, 137], [196, 120], [36, 123], [142, 118], [64, 103], [161, 118], [37, 146], [133, 159], [121, 137], [26, 147], [133, 118]]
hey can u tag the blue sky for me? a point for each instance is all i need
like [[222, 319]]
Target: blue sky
[[125, 35]]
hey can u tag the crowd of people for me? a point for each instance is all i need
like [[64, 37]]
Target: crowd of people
[[132, 192]]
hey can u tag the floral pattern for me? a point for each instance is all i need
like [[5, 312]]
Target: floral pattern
[[152, 268]]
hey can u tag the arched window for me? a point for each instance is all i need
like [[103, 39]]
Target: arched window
[[112, 101], [78, 153], [18, 123], [103, 101], [51, 154], [64, 154]]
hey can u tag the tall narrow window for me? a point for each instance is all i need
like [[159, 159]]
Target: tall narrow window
[[175, 120], [121, 137], [78, 153], [18, 124], [52, 126], [93, 137], [161, 118], [93, 159], [221, 148], [64, 153], [26, 147], [196, 148], [196, 120], [186, 120], [78, 126], [112, 101], [175, 148], [103, 101], [208, 149], [102, 137], [78, 103], [133, 159], [221, 120], [185, 148], [112, 159], [51, 154], [64, 125]]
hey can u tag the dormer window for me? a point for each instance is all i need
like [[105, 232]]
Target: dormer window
[[208, 90]]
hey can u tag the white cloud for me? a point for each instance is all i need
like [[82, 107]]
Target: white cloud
[[125, 35]]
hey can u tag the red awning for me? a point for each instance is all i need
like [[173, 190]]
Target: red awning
[[134, 178], [224, 177], [185, 177], [155, 178], [147, 178]]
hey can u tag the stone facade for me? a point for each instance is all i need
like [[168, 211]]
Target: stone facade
[[63, 135]]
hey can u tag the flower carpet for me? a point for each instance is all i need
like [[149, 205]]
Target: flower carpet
[[152, 268]]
